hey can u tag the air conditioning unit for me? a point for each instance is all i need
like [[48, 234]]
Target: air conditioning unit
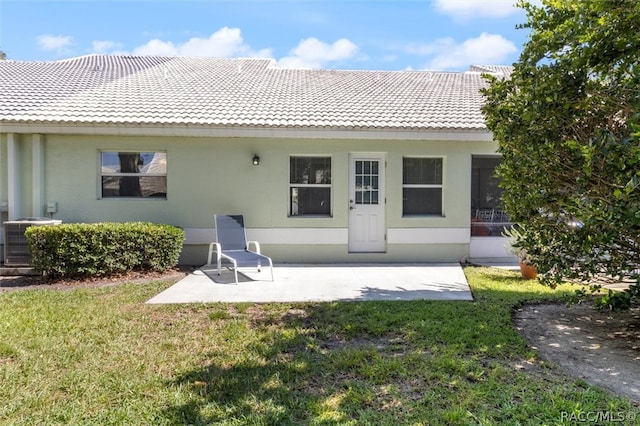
[[16, 251]]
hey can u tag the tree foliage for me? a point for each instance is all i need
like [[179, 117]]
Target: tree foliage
[[568, 126]]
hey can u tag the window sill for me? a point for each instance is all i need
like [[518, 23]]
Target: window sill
[[134, 198]]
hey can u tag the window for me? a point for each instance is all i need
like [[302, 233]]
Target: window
[[310, 186], [133, 174], [421, 186], [367, 181]]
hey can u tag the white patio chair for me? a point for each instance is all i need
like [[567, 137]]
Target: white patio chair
[[501, 217], [231, 244], [484, 215]]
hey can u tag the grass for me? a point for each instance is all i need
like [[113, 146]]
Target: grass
[[101, 356]]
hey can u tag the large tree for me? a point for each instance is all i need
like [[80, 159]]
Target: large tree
[[568, 126]]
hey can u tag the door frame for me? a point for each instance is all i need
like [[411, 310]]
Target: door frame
[[379, 243]]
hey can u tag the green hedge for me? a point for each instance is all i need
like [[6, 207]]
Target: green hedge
[[99, 249]]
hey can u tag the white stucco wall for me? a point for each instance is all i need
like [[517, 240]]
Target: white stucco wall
[[207, 175]]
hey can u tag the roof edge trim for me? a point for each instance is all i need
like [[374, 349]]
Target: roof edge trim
[[259, 132]]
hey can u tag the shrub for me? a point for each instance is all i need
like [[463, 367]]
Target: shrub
[[99, 249]]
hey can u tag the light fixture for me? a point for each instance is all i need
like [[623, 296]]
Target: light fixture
[[256, 160]]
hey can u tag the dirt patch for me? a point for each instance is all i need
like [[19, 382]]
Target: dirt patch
[[30, 282], [601, 348]]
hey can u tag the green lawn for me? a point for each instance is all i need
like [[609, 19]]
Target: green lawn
[[101, 356]]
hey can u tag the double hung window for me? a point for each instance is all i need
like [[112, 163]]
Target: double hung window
[[422, 186], [310, 186], [133, 174]]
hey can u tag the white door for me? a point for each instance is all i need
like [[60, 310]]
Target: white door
[[367, 230]]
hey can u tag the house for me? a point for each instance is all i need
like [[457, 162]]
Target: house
[[326, 165]]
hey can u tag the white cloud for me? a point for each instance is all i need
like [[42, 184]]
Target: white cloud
[[487, 49], [435, 47], [467, 9], [157, 47], [313, 53], [226, 42], [58, 43], [105, 46]]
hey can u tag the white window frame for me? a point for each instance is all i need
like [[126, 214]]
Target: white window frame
[[102, 174], [291, 185], [425, 186]]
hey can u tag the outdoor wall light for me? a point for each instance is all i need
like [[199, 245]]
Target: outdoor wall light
[[256, 160]]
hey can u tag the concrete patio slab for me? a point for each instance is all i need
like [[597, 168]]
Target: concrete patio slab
[[322, 283]]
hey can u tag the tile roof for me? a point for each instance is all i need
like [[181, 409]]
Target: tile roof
[[504, 70], [139, 90]]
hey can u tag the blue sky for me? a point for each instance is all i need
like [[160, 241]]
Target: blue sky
[[333, 34]]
